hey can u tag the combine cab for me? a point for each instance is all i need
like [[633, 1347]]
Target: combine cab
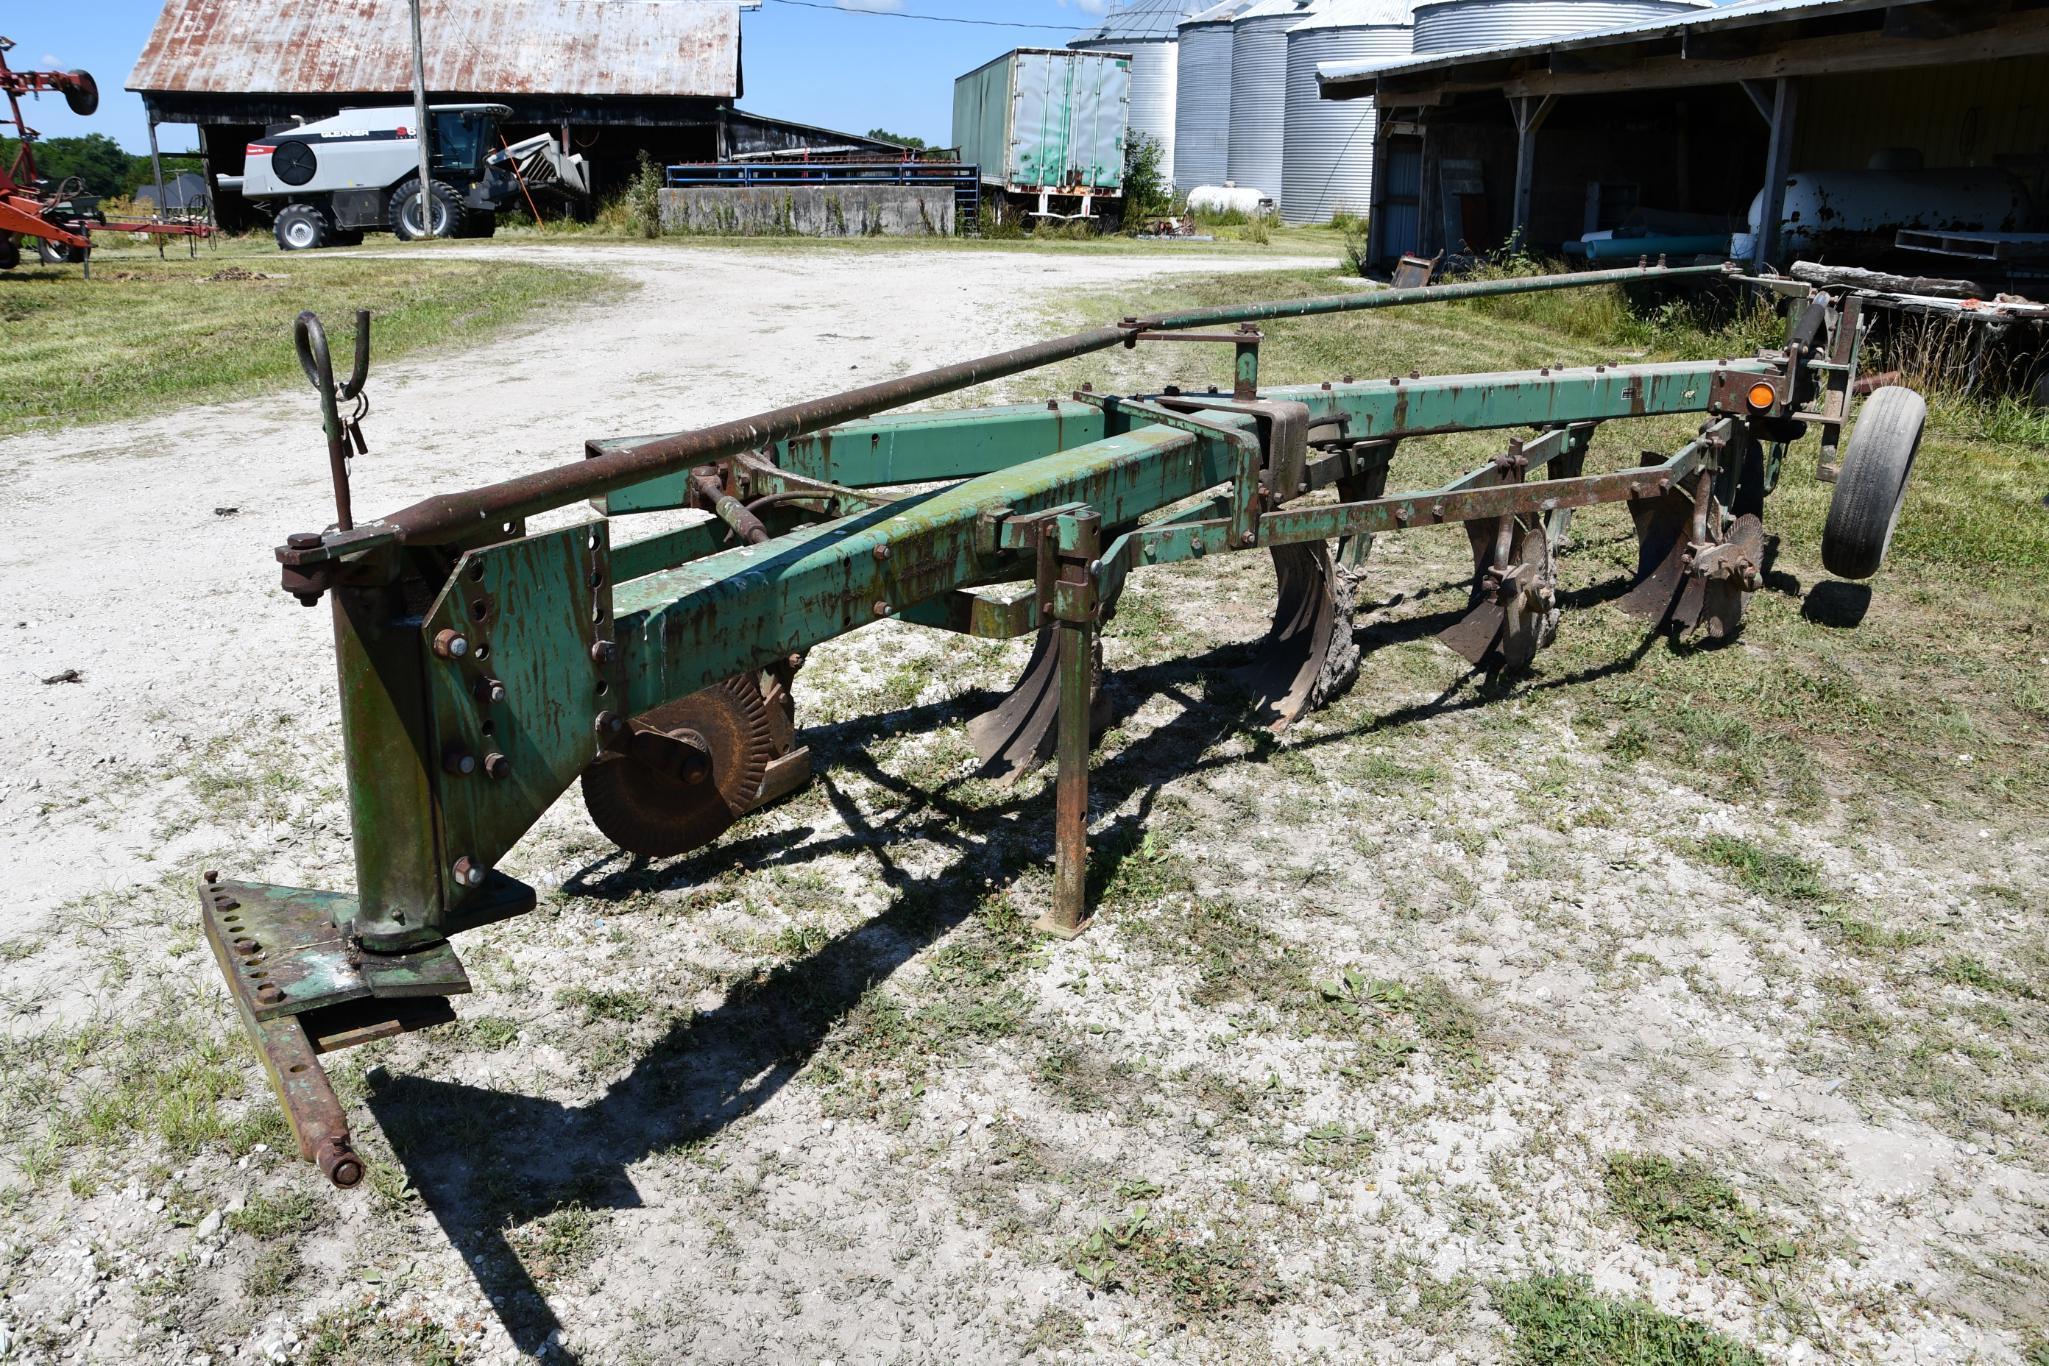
[[327, 183]]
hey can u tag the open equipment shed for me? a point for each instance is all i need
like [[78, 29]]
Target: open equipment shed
[[609, 78], [1692, 118]]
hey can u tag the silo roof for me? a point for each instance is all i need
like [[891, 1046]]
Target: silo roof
[[1360, 14], [1220, 14], [1140, 21]]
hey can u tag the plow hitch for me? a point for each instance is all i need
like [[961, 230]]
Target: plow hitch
[[485, 669]]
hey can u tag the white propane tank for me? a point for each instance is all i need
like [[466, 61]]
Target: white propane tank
[[1820, 204], [1227, 198]]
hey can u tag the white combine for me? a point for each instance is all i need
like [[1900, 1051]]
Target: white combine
[[328, 182]]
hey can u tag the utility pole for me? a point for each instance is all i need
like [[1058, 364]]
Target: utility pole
[[420, 118]]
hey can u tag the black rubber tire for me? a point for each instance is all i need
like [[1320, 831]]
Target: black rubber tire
[[57, 253], [1873, 482], [300, 227], [10, 252], [480, 223], [346, 237], [447, 210]]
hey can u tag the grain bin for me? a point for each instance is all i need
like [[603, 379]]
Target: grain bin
[[1327, 145], [1259, 83], [1202, 97], [1149, 31], [1464, 25]]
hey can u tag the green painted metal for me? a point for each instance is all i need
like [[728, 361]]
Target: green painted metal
[[515, 715]]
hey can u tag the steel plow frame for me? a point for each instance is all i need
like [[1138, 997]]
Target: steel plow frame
[[484, 669]]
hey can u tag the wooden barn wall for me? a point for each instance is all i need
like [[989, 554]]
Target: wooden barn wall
[[1978, 114]]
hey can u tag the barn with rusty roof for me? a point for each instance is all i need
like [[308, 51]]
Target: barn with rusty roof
[[610, 78]]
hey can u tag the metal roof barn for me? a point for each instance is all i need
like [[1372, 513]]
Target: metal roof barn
[[1327, 145], [1259, 80], [1148, 30], [612, 79], [1202, 101], [595, 48]]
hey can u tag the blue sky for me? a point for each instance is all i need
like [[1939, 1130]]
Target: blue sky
[[828, 66]]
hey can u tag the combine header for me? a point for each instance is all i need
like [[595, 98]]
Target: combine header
[[484, 669]]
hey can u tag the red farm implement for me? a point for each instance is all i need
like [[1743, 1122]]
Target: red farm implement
[[44, 211]]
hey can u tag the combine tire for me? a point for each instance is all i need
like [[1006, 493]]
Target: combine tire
[[480, 223], [1873, 483], [10, 253], [301, 227], [445, 210]]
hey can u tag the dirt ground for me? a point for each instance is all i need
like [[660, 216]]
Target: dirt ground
[[1365, 1022]]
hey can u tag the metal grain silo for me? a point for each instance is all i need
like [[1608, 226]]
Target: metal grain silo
[[1259, 92], [1148, 30], [1327, 145], [1202, 97], [1463, 25]]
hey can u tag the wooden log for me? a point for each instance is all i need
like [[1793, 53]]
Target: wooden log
[[1855, 278]]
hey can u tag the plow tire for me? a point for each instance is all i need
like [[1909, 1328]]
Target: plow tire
[[1873, 483], [10, 253], [57, 253]]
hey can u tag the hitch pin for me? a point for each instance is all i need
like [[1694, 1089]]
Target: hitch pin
[[311, 340]]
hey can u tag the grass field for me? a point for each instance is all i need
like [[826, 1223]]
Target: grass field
[[144, 334]]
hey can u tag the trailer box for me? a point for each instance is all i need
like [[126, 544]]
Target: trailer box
[[1041, 120]]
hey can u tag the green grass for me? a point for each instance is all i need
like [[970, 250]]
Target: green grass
[[143, 334], [1684, 1208], [1203, 1273], [1560, 1321]]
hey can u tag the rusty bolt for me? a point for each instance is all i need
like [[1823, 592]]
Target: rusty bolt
[[496, 765], [270, 993], [212, 875], [1415, 374], [451, 644], [1347, 379], [1326, 385], [881, 552], [603, 652], [1394, 379], [1198, 547], [458, 761], [490, 690], [304, 540], [339, 1164], [468, 872], [881, 608], [245, 947], [610, 723], [1402, 514], [227, 903], [1248, 538]]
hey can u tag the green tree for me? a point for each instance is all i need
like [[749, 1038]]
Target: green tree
[[884, 135], [1145, 187], [95, 159]]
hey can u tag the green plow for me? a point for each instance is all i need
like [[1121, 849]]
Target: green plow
[[484, 669]]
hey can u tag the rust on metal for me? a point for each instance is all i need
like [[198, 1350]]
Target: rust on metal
[[615, 48]]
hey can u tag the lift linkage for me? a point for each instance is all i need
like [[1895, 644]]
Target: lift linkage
[[484, 668]]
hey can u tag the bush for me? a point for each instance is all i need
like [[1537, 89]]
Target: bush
[[644, 199], [1146, 193]]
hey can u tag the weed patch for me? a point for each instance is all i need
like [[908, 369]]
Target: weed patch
[[1685, 1209], [1560, 1321]]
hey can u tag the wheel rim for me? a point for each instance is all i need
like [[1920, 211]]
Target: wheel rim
[[299, 233], [436, 214]]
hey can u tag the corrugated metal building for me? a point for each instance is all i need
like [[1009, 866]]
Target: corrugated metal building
[[1686, 119], [1148, 32], [611, 77]]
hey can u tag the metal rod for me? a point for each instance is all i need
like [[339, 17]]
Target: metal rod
[[448, 516]]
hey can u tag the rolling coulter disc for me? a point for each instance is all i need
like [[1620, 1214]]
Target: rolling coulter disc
[[1714, 602], [1309, 654], [1506, 626], [649, 805]]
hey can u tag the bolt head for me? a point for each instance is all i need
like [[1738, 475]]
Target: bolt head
[[881, 552], [468, 872], [304, 540], [451, 644], [496, 766], [1248, 538], [603, 652], [881, 608]]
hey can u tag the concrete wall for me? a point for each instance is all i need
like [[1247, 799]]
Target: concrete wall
[[810, 211]]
